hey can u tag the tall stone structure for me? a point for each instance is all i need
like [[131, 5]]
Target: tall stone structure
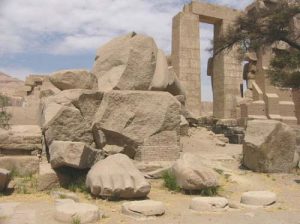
[[270, 102], [227, 70]]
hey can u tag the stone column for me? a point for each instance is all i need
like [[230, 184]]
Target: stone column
[[186, 57], [227, 78]]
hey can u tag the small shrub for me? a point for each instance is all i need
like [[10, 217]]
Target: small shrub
[[170, 181], [78, 186], [26, 184], [76, 220], [4, 115]]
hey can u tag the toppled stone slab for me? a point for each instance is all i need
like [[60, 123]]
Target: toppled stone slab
[[117, 177], [143, 209], [73, 79], [21, 140], [258, 198], [73, 154], [193, 175], [21, 165], [126, 63], [4, 179], [146, 124], [85, 213], [269, 146], [201, 204]]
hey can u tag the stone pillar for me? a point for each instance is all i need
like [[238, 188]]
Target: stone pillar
[[186, 57], [226, 79]]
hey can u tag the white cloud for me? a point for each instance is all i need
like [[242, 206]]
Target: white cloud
[[68, 27]]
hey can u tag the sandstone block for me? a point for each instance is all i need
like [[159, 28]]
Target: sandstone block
[[134, 118], [47, 178], [126, 63], [73, 79], [22, 165], [73, 154], [21, 139], [269, 146]]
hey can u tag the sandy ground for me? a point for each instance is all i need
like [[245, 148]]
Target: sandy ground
[[38, 208]]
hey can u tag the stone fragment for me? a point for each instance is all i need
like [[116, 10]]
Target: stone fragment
[[117, 177], [143, 209], [68, 125], [4, 179], [60, 201], [269, 146], [73, 154], [21, 140], [85, 213], [126, 63], [112, 149], [258, 198], [201, 204], [191, 174], [47, 178], [21, 165], [144, 123], [73, 79]]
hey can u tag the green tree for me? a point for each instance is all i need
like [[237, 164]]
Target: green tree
[[264, 26], [4, 115]]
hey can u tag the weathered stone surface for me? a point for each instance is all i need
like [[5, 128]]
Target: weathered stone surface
[[201, 204], [21, 139], [160, 79], [22, 165], [142, 209], [73, 154], [137, 120], [191, 174], [184, 126], [4, 179], [73, 79], [86, 213], [269, 146], [68, 125], [67, 116], [47, 178], [117, 177], [258, 198], [126, 63]]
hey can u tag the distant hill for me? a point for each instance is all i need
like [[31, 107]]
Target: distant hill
[[8, 84]]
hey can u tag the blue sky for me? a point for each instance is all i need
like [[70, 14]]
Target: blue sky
[[42, 36]]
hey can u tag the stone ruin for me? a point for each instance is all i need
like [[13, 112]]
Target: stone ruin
[[138, 102]]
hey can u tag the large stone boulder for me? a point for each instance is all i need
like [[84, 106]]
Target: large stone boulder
[[192, 175], [4, 179], [73, 79], [73, 154], [126, 63], [21, 140], [269, 146], [117, 177], [146, 124], [68, 115]]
